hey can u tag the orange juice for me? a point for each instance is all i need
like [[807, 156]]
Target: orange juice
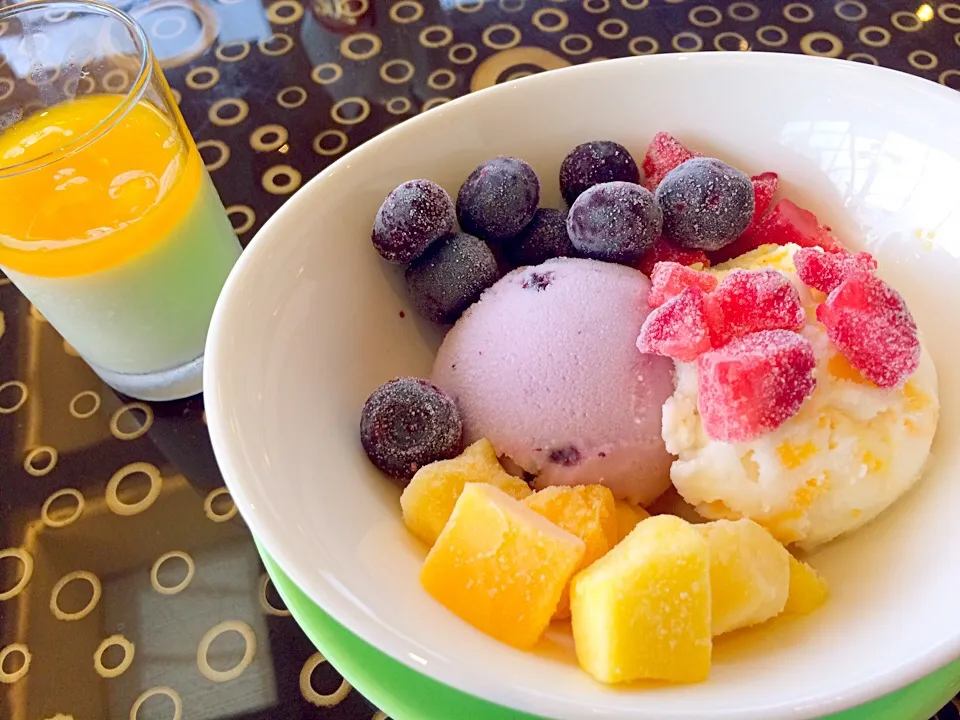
[[113, 229]]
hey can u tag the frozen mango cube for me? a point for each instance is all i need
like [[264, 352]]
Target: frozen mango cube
[[749, 574], [643, 609], [808, 590], [432, 493], [587, 511], [500, 566], [628, 515]]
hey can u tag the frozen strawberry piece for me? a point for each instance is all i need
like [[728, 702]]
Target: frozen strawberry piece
[[786, 223], [825, 271], [765, 186], [870, 324], [669, 279], [753, 300], [664, 154], [678, 329], [754, 384], [665, 251]]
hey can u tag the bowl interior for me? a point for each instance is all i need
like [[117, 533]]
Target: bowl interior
[[311, 321]]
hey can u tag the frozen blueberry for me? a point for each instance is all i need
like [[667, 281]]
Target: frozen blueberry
[[450, 275], [706, 204], [408, 423], [595, 162], [412, 217], [499, 199], [615, 221], [544, 238]]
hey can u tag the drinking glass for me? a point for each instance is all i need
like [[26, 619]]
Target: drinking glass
[[109, 223]]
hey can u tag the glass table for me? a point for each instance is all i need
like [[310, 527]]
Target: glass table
[[125, 571]]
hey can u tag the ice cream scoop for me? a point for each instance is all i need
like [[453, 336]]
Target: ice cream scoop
[[546, 367], [850, 452]]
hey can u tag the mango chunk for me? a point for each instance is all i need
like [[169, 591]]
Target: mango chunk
[[749, 574], [643, 609], [432, 493], [500, 566], [808, 591], [628, 515], [587, 511]]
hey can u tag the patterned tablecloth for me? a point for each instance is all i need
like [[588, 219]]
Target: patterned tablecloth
[[115, 528]]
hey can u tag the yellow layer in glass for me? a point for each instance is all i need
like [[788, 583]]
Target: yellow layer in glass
[[109, 202]]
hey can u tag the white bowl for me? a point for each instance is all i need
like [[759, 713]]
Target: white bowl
[[309, 324]]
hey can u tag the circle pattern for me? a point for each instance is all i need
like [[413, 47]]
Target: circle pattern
[[250, 649], [268, 138], [212, 514], [249, 217], [874, 36], [124, 665], [491, 42], [240, 108], [126, 509], [26, 572], [705, 16], [127, 410], [52, 522], [180, 586], [281, 180], [311, 695], [40, 461], [352, 46], [159, 690], [203, 77], [406, 67], [435, 36], [6, 406], [8, 678], [223, 153], [291, 97], [798, 12], [822, 44], [97, 590], [851, 10]]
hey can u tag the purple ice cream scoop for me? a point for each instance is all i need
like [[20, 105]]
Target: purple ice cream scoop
[[546, 367]]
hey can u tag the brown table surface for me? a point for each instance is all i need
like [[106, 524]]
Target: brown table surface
[[274, 91]]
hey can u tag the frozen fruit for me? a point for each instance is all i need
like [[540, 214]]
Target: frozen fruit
[[754, 384], [706, 204], [450, 275], [870, 324], [588, 512], [786, 223], [749, 574], [663, 155], [498, 199], [680, 328], [500, 566], [628, 515], [665, 251], [615, 222], [824, 271], [753, 300], [408, 423], [593, 163], [544, 238], [808, 591], [670, 279], [765, 186], [413, 216], [643, 610], [430, 497]]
